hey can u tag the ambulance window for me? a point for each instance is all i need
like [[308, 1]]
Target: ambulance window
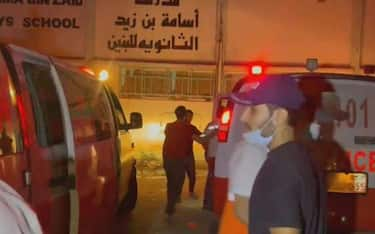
[[46, 105], [120, 117], [10, 129], [89, 106]]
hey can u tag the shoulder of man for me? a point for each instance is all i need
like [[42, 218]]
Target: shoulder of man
[[168, 126], [292, 151], [171, 124]]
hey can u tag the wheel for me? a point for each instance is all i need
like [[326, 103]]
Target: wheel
[[130, 200]]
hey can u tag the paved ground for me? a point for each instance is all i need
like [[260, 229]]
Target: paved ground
[[149, 218]]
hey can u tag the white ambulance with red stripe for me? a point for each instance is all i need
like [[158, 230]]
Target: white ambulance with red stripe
[[351, 189]]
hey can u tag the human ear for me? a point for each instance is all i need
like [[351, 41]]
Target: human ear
[[245, 115], [280, 117]]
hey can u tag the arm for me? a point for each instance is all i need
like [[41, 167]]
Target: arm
[[286, 213], [197, 135], [241, 208], [198, 139], [203, 138]]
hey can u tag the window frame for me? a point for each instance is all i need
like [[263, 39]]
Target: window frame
[[72, 74], [38, 112]]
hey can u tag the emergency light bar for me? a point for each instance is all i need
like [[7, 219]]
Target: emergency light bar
[[256, 69]]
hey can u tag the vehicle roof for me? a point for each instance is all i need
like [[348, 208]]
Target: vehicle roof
[[54, 60], [309, 75]]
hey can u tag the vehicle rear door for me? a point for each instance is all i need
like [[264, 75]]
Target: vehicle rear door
[[94, 137], [49, 175], [357, 137]]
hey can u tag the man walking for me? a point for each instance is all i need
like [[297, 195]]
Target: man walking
[[286, 196], [176, 151]]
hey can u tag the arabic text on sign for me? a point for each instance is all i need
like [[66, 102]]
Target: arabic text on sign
[[149, 22], [126, 23], [132, 41], [180, 22]]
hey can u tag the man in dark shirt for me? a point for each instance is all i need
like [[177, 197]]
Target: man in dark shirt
[[287, 194], [176, 150]]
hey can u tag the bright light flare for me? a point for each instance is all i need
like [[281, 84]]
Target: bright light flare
[[103, 75]]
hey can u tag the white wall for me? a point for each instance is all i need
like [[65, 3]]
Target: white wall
[[278, 31], [53, 38], [288, 30]]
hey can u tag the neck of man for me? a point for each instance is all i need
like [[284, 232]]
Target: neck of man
[[283, 135]]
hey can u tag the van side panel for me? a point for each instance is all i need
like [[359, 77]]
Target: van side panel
[[354, 212]]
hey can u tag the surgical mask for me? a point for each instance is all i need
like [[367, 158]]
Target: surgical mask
[[256, 136], [314, 130]]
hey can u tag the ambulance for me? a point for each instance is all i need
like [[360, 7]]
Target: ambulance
[[349, 164], [64, 143]]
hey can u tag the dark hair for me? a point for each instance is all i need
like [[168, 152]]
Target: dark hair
[[180, 112], [188, 111]]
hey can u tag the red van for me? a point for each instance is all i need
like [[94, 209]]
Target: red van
[[60, 142]]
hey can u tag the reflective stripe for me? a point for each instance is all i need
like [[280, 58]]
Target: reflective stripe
[[69, 139]]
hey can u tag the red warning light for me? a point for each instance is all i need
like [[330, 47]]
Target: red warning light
[[257, 69]]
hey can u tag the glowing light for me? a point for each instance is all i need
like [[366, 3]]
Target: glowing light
[[154, 132], [257, 70], [225, 118], [103, 75]]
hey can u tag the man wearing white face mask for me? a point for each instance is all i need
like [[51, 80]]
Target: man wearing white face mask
[[285, 197], [244, 165]]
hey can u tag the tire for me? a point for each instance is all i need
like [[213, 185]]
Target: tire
[[130, 200]]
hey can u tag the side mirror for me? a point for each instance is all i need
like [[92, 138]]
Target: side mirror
[[136, 121]]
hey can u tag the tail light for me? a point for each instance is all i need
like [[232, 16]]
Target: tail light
[[225, 114]]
